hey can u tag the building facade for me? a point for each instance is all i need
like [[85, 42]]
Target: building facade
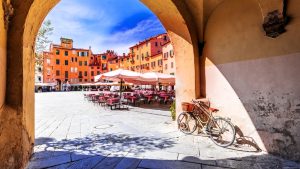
[[66, 64], [146, 56], [168, 59], [63, 63]]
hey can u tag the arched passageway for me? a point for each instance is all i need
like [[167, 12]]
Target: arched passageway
[[249, 76], [24, 24]]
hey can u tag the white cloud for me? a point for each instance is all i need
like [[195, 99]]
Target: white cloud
[[90, 27]]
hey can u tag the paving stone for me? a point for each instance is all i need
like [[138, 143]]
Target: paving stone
[[290, 164], [160, 155], [128, 163], [211, 167], [168, 164], [49, 162], [193, 159], [235, 164], [109, 162], [87, 163]]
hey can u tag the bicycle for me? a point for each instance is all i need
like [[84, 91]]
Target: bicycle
[[220, 130]]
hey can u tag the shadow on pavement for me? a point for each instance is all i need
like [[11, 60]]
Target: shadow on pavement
[[123, 151]]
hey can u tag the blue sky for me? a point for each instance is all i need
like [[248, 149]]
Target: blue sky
[[103, 24]]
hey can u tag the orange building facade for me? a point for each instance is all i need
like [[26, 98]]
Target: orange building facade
[[146, 56], [66, 64], [168, 59]]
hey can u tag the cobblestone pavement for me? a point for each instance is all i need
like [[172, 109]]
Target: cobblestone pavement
[[74, 133]]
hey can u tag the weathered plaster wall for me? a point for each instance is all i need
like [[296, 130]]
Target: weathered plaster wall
[[2, 56], [17, 116], [254, 79], [15, 141]]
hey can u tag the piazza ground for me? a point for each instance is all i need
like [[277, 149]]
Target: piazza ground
[[222, 53], [72, 132]]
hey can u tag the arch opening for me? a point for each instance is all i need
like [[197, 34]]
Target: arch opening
[[20, 65]]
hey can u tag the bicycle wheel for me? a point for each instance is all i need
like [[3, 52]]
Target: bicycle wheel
[[221, 131], [186, 123]]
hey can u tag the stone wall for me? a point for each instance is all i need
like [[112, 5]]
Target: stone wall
[[253, 78]]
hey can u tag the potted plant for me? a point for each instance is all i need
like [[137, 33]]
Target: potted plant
[[173, 111]]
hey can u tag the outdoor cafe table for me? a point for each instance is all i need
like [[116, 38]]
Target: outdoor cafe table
[[149, 97], [165, 97], [132, 99]]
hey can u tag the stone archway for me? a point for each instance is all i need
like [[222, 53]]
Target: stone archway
[[17, 114]]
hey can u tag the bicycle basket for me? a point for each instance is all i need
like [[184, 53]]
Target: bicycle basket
[[187, 107]]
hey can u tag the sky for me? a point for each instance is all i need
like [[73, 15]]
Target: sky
[[103, 24]]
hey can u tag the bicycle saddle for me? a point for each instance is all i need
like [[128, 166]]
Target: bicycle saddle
[[213, 110]]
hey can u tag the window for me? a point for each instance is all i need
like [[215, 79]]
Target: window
[[104, 66], [75, 70], [172, 64], [80, 80], [57, 73], [85, 80], [82, 54], [75, 59], [72, 59], [66, 74], [92, 67], [137, 57], [92, 73], [85, 63], [39, 69], [66, 62], [57, 62], [39, 78], [166, 66], [147, 54], [57, 52], [156, 44], [80, 63], [98, 72], [80, 73], [98, 67], [165, 37], [72, 69], [159, 62], [142, 56], [103, 57], [85, 73], [66, 53], [153, 64]]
